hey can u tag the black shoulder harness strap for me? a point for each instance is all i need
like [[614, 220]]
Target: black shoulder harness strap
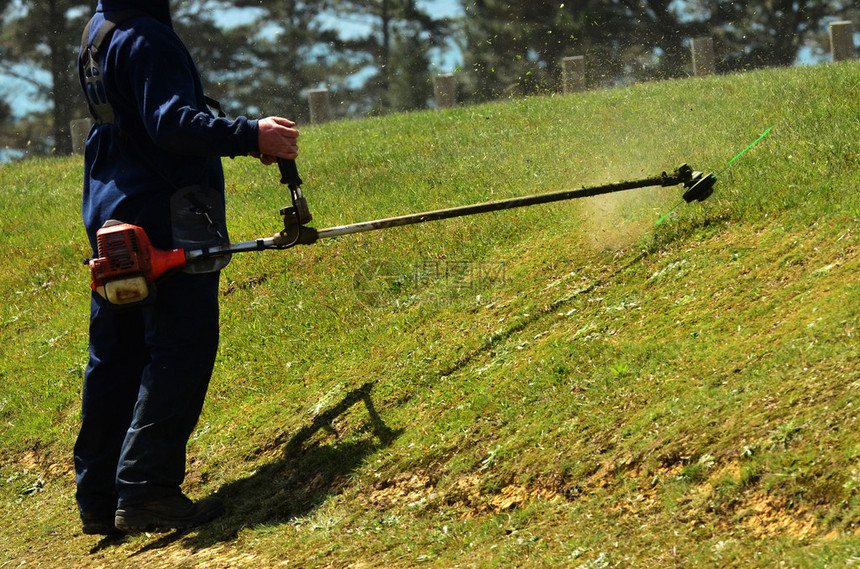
[[90, 69]]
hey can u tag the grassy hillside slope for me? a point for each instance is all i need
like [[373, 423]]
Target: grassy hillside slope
[[559, 386]]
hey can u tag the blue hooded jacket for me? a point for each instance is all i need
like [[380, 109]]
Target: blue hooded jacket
[[169, 140]]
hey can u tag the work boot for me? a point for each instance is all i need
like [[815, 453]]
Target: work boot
[[170, 513], [99, 524]]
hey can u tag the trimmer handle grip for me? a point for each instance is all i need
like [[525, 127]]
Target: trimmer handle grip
[[290, 177], [289, 172]]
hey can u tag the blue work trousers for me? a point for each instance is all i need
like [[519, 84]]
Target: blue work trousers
[[144, 387]]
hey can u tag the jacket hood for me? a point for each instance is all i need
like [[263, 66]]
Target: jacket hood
[[158, 9]]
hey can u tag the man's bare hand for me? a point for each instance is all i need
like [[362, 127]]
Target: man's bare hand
[[277, 139]]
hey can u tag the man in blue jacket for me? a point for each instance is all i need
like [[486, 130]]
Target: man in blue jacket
[[149, 367]]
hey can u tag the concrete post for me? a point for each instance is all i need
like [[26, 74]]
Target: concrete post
[[318, 100], [842, 40], [80, 128], [703, 56], [573, 74], [445, 91]]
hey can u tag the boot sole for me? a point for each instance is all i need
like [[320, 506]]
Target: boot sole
[[131, 521]]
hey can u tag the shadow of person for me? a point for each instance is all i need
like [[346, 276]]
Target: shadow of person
[[109, 541], [300, 479]]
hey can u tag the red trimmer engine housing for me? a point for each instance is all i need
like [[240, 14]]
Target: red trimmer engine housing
[[128, 264]]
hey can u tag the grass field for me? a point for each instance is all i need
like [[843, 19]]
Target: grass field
[[569, 385]]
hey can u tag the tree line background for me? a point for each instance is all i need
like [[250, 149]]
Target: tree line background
[[263, 67]]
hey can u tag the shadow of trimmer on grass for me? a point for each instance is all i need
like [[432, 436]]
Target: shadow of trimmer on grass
[[301, 478]]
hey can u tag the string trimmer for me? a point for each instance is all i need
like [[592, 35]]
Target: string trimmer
[[128, 265]]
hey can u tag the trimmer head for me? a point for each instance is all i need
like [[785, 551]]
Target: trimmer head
[[699, 187]]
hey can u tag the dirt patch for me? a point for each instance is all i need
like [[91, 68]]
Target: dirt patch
[[774, 515], [756, 511], [514, 496], [36, 461], [509, 498], [416, 489], [404, 489]]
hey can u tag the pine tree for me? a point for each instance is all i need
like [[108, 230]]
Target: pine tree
[[409, 84], [399, 37], [265, 66], [45, 36]]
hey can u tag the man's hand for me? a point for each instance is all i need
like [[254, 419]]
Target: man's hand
[[277, 139]]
